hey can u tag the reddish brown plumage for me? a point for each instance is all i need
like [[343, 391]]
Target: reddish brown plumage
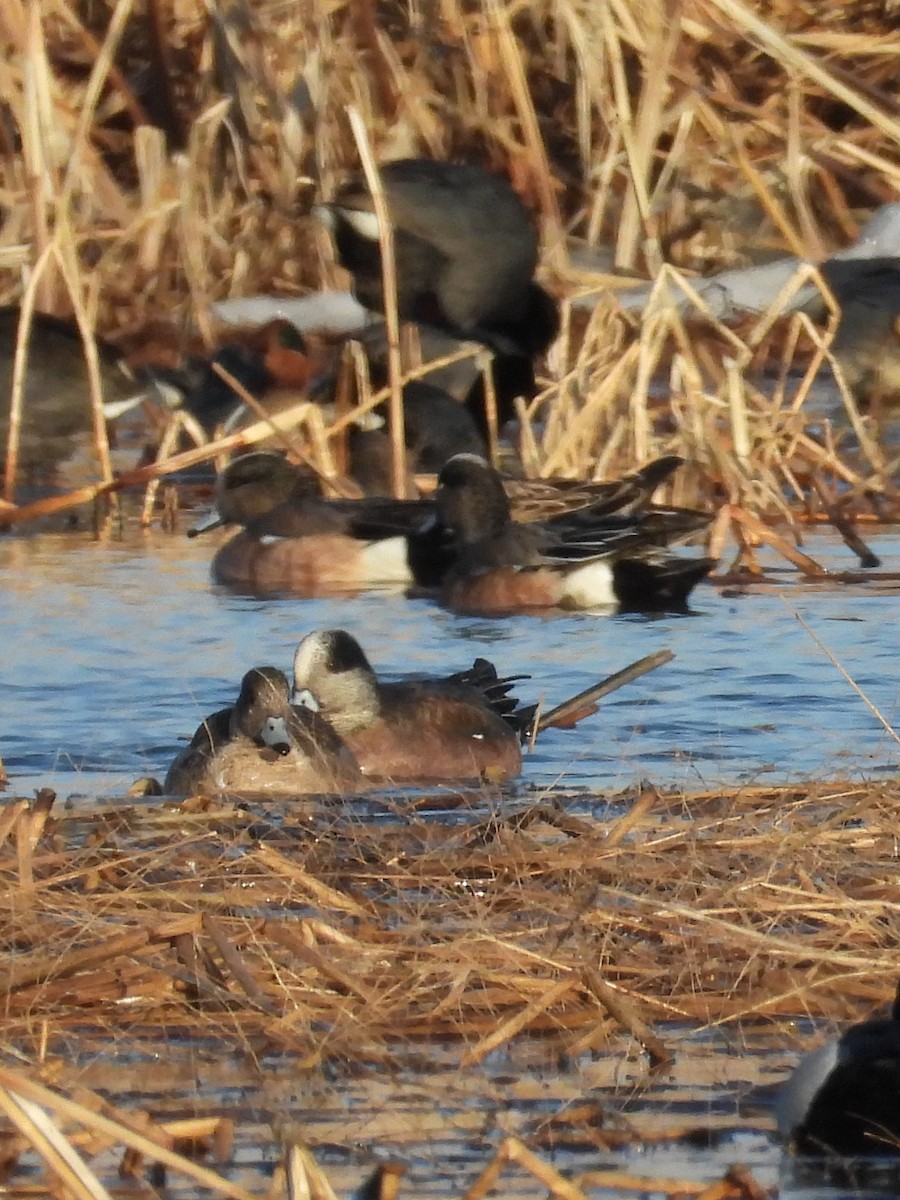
[[437, 739], [504, 590], [311, 565]]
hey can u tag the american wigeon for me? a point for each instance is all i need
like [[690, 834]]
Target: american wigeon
[[56, 397], [423, 731], [462, 726], [583, 559], [466, 252], [294, 540], [844, 1098], [263, 745]]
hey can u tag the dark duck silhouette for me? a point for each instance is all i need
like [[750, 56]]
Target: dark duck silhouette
[[844, 1098], [466, 251], [56, 409]]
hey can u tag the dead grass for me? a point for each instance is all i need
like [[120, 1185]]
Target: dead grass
[[316, 931], [682, 140], [706, 908], [678, 140]]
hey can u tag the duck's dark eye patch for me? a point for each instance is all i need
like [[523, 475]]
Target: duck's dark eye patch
[[346, 654]]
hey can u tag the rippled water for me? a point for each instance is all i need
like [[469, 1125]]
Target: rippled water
[[587, 1117], [114, 651]]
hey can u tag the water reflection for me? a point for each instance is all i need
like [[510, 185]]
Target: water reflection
[[597, 1113]]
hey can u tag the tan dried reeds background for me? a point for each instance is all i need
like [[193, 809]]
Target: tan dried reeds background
[[162, 156], [338, 937]]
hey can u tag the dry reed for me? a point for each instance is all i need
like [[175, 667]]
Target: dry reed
[[685, 139], [708, 908], [316, 931]]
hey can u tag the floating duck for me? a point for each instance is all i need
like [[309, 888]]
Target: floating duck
[[844, 1098]]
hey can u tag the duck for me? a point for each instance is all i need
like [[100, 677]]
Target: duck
[[425, 731], [451, 729], [262, 745], [466, 252], [867, 340], [844, 1098], [483, 561], [56, 407], [292, 539], [540, 499], [263, 359]]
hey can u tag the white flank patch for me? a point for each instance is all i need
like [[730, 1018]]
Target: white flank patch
[[115, 408], [271, 539], [323, 214], [368, 421], [362, 222], [386, 561], [590, 586], [171, 396]]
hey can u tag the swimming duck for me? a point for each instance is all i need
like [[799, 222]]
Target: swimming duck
[[295, 540], [844, 1098], [262, 745], [448, 730], [56, 404], [466, 252], [458, 727], [486, 562]]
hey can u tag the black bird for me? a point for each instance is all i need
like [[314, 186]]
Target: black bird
[[466, 251], [844, 1098], [56, 398]]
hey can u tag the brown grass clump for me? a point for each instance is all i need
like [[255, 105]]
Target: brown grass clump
[[159, 159], [345, 941], [337, 938]]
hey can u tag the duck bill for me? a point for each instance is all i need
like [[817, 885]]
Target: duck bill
[[212, 520], [117, 408], [274, 734]]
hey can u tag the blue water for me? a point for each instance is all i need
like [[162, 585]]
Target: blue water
[[115, 651]]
